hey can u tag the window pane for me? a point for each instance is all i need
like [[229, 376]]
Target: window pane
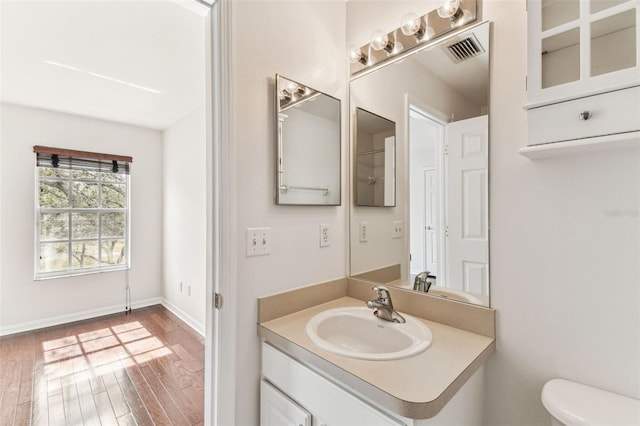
[[558, 12], [54, 257], [84, 255], [619, 31], [85, 195], [114, 196], [113, 252], [54, 226], [599, 5], [561, 58], [54, 194], [50, 172], [113, 225], [84, 175], [85, 225], [114, 177]]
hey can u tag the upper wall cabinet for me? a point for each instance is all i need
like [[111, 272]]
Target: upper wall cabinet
[[581, 47], [583, 83]]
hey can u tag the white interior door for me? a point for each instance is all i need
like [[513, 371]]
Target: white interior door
[[467, 197], [430, 233]]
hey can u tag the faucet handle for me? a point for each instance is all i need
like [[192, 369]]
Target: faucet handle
[[382, 292]]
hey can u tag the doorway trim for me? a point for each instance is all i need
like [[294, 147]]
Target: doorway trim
[[440, 119], [220, 341]]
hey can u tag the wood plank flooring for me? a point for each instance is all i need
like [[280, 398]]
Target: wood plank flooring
[[145, 368]]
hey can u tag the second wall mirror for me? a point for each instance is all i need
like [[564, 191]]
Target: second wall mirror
[[308, 153], [375, 160]]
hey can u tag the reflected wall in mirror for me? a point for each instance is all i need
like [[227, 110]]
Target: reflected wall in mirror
[[375, 162], [308, 157], [439, 98]]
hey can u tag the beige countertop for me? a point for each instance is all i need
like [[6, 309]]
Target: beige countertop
[[415, 387]]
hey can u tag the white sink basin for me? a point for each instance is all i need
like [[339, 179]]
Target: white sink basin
[[355, 332]]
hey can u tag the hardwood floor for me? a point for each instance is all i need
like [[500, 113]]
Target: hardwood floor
[[144, 368]]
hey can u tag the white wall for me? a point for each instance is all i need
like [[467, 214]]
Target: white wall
[[26, 303], [565, 252], [183, 219], [565, 245], [304, 41]]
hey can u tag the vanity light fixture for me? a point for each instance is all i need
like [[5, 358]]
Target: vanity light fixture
[[356, 55], [449, 9], [380, 41], [414, 31], [291, 93]]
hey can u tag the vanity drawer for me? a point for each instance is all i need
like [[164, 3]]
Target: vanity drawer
[[324, 399], [605, 114]]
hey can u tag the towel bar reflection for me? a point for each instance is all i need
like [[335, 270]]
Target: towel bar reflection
[[285, 188]]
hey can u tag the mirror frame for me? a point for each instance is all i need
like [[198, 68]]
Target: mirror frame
[[302, 94]]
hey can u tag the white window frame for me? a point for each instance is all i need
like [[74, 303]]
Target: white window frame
[[70, 272]]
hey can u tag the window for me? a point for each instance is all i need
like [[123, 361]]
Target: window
[[82, 213]]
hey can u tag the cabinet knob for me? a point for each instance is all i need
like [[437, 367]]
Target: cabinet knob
[[584, 115]]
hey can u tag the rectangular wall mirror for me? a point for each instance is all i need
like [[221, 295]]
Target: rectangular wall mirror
[[309, 142], [375, 160], [439, 98]]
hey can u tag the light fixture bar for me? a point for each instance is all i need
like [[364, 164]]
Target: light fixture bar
[[432, 26]]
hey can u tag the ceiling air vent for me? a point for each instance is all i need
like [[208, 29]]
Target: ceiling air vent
[[464, 49]]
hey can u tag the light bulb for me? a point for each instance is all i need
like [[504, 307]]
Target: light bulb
[[447, 8], [380, 40], [355, 55], [410, 24]]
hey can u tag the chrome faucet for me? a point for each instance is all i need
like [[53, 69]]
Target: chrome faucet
[[383, 307], [422, 282]]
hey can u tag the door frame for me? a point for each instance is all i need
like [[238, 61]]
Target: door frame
[[440, 119], [219, 361]]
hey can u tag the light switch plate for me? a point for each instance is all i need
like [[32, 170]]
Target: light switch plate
[[364, 232], [325, 237], [258, 241], [397, 229]]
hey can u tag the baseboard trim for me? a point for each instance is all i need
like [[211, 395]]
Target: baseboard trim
[[197, 326], [77, 316]]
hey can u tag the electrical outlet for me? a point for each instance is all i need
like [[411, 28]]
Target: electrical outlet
[[258, 241], [180, 285], [325, 240], [364, 232], [397, 229], [188, 290]]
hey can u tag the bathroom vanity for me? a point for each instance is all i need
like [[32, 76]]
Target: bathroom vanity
[[304, 384]]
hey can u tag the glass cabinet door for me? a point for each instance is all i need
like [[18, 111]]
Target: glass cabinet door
[[581, 47]]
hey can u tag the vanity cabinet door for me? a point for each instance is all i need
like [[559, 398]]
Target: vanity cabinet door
[[579, 48], [329, 404], [278, 410]]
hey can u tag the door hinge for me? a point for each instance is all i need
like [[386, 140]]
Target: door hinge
[[446, 231], [526, 83], [446, 149], [217, 300]]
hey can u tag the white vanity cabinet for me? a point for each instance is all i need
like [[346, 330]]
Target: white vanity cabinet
[[292, 394], [277, 409], [583, 77]]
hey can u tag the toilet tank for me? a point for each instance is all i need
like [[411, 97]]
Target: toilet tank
[[576, 404]]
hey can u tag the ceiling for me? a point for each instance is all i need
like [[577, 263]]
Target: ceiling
[[135, 62]]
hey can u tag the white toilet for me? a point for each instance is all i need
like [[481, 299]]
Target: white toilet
[[571, 403]]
